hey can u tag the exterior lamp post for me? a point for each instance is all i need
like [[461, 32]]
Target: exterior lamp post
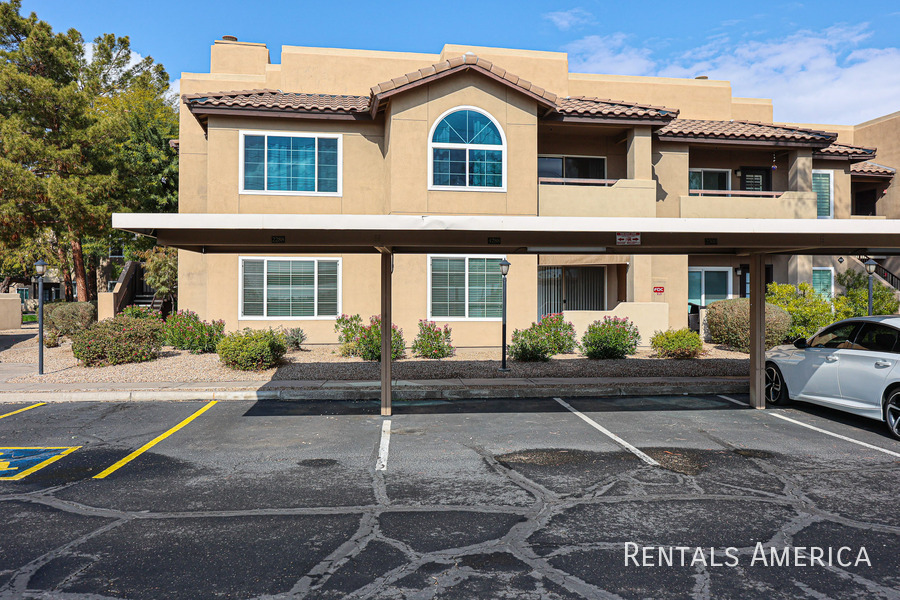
[[504, 269], [870, 269], [40, 267]]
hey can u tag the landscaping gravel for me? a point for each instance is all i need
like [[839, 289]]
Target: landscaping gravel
[[323, 363]]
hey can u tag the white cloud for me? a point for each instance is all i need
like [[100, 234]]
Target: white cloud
[[567, 19], [828, 76]]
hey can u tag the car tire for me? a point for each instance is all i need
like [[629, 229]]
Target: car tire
[[776, 388], [892, 413]]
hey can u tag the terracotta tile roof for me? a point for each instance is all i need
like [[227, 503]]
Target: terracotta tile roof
[[459, 63], [744, 131], [872, 169], [844, 151], [589, 107], [266, 99]]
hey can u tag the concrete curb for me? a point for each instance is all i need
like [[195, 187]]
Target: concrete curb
[[372, 393]]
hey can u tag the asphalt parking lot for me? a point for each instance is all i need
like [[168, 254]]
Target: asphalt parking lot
[[462, 499]]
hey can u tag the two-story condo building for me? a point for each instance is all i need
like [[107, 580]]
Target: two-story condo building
[[488, 131]]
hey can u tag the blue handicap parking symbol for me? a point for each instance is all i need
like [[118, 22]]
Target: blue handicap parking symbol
[[17, 463]]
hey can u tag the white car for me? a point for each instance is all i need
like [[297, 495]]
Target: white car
[[850, 365]]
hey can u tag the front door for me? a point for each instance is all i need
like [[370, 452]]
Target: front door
[[756, 179]]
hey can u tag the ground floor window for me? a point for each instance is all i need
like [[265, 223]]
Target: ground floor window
[[571, 288], [24, 294], [708, 284], [465, 287], [286, 288], [823, 280]]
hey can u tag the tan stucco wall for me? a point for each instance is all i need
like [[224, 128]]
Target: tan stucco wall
[[626, 198], [10, 311], [752, 109], [649, 317], [790, 205], [884, 133]]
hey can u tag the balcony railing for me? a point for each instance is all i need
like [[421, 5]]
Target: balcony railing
[[736, 193], [576, 181]]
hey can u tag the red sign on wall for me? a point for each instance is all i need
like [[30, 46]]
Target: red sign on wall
[[659, 289]]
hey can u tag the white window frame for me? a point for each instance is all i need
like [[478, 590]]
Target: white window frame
[[266, 259], [830, 174], [243, 133], [701, 170], [431, 317], [728, 270], [565, 156], [466, 147], [831, 269]]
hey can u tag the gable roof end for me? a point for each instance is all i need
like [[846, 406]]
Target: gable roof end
[[844, 152], [872, 169]]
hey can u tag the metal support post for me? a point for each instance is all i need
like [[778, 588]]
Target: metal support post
[[871, 277], [387, 260], [758, 330], [503, 366], [41, 325]]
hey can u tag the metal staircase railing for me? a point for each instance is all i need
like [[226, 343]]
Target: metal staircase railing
[[892, 279]]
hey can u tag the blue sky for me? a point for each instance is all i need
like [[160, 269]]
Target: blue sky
[[822, 62]]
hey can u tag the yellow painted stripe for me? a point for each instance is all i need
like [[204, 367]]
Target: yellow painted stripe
[[152, 443], [40, 465], [15, 412]]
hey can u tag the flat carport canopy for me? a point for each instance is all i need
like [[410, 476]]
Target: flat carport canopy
[[411, 234]]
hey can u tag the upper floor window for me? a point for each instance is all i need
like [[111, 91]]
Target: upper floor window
[[823, 186], [709, 179], [571, 167], [281, 163], [468, 152]]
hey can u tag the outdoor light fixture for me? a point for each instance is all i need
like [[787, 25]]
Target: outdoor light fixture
[[841, 259], [504, 269], [739, 271], [40, 267], [870, 269]]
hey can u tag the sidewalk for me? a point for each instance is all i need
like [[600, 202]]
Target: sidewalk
[[538, 387]]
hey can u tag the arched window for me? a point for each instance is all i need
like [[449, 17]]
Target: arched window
[[468, 151]]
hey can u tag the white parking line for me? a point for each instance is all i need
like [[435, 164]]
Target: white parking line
[[381, 463], [609, 434], [814, 428], [738, 402]]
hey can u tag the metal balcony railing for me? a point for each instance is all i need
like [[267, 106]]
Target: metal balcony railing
[[737, 193], [576, 181]]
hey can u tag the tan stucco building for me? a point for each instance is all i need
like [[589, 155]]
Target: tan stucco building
[[489, 131]]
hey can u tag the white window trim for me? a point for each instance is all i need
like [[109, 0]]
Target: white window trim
[[315, 259], [432, 146], [730, 279], [243, 133], [830, 174], [564, 156], [467, 317], [831, 269], [701, 170]]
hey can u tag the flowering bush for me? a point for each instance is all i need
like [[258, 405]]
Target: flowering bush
[[432, 341], [185, 331], [368, 341], [529, 345], [142, 312], [560, 334], [252, 349], [613, 337], [294, 337], [348, 329], [119, 340], [681, 343]]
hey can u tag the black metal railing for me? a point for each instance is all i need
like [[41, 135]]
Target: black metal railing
[[891, 278]]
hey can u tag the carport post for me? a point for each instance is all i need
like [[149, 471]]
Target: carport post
[[757, 330], [387, 260]]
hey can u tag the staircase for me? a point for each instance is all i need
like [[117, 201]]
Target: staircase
[[888, 277], [148, 301]]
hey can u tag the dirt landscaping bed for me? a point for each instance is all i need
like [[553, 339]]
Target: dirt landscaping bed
[[323, 363]]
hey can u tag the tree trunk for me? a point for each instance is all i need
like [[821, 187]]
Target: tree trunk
[[92, 281], [80, 273], [64, 269], [4, 287]]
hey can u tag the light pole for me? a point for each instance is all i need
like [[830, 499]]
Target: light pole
[[40, 267], [870, 269], [504, 269]]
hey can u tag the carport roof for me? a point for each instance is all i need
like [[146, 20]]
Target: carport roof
[[281, 233]]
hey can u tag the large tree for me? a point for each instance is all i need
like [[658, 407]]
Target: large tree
[[83, 133]]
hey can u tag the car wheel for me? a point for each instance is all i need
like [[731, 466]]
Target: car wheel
[[892, 413], [776, 388]]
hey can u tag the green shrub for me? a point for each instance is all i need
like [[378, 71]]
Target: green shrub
[[854, 301], [294, 337], [142, 312], [613, 337], [119, 340], [29, 318], [560, 334], [66, 319], [368, 342], [681, 343], [51, 339], [432, 341], [729, 323], [251, 349], [185, 331], [530, 345], [348, 328], [809, 310]]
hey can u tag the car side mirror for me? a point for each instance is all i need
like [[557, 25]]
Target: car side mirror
[[801, 343]]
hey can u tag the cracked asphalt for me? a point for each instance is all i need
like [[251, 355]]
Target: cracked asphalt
[[479, 499]]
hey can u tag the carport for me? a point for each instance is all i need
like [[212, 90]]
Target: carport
[[406, 234]]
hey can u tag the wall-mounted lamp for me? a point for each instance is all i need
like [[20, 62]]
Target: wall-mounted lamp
[[841, 259], [739, 271], [737, 173]]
